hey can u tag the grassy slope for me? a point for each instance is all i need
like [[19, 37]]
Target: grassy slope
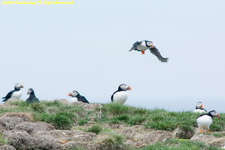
[[64, 117]]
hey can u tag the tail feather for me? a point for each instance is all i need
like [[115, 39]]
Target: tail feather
[[4, 99]]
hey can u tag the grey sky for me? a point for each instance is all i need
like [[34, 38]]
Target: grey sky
[[59, 48]]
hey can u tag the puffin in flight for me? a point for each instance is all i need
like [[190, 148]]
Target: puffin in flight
[[14, 94], [205, 120], [142, 46], [75, 97], [32, 98], [120, 96], [199, 108]]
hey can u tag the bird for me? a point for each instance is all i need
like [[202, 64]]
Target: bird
[[14, 94], [199, 108], [75, 97], [32, 98], [143, 45], [205, 120], [120, 96]]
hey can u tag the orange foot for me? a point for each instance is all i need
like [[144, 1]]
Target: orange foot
[[201, 131], [208, 131], [143, 52]]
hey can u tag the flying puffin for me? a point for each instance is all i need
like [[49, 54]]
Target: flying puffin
[[75, 97], [14, 94], [120, 96], [32, 98], [205, 120], [142, 46], [199, 108]]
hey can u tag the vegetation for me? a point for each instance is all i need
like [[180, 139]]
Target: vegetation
[[176, 144], [95, 128], [65, 117]]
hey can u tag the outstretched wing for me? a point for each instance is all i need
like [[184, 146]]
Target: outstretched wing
[[134, 47], [156, 52], [8, 96]]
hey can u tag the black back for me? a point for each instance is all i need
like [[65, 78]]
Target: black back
[[119, 89], [32, 98], [209, 114], [200, 108], [82, 98], [8, 96]]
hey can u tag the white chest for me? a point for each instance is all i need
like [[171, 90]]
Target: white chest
[[120, 97], [199, 111], [74, 99], [204, 121], [142, 46], [16, 95]]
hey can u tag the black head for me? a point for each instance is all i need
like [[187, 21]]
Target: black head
[[30, 91], [149, 44], [18, 86], [213, 113], [199, 105], [74, 93], [124, 87]]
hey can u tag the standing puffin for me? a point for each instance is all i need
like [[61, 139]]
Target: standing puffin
[[142, 46], [205, 120], [120, 96], [75, 97], [199, 108], [14, 94], [32, 98]]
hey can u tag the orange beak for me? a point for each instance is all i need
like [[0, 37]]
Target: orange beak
[[129, 88], [69, 94], [201, 106], [27, 93], [143, 52], [21, 86], [218, 115]]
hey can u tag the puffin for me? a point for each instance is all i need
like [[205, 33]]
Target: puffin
[[142, 46], [32, 98], [199, 108], [205, 120], [120, 96], [75, 97], [14, 94]]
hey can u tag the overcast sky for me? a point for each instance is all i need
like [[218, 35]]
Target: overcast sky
[[59, 48]]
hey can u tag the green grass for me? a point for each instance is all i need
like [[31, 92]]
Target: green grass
[[95, 129], [158, 119], [176, 144], [64, 117], [113, 142]]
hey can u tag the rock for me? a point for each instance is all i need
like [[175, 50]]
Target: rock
[[71, 135], [9, 123], [21, 140], [25, 116], [88, 107], [154, 136], [7, 147], [33, 127], [63, 101], [184, 132], [47, 142]]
